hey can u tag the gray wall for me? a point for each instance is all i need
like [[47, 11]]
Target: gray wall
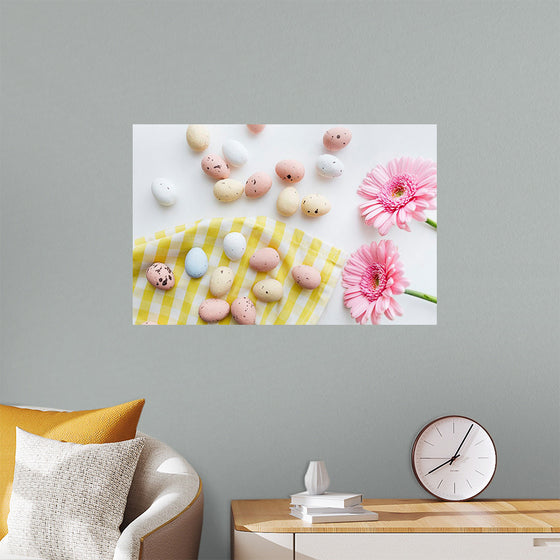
[[249, 407]]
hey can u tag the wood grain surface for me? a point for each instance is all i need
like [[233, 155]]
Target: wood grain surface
[[409, 516]]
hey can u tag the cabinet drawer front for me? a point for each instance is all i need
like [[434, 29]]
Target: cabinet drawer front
[[262, 546], [427, 546]]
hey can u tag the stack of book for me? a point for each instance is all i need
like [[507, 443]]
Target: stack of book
[[330, 507]]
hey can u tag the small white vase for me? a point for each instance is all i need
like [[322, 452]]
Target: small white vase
[[316, 478]]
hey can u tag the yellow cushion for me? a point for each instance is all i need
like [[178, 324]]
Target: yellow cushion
[[104, 425]]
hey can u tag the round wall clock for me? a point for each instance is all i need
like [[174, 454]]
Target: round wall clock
[[454, 458]]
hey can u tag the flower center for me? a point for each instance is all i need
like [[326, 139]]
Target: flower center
[[373, 282], [398, 191]]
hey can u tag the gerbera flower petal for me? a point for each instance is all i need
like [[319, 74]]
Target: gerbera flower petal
[[396, 191], [370, 277]]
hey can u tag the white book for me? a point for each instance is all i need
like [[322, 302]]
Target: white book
[[365, 515], [313, 510], [328, 499]]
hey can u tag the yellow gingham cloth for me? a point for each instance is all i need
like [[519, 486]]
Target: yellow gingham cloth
[[179, 306]]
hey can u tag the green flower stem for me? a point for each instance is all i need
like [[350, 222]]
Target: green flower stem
[[421, 295], [431, 223]]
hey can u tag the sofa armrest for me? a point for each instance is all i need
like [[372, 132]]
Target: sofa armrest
[[160, 532], [163, 517]]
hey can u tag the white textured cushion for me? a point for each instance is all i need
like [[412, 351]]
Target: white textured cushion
[[68, 500]]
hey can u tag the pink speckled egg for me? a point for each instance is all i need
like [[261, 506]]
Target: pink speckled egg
[[160, 276], [243, 311], [306, 276], [213, 310], [256, 128], [290, 170], [337, 138], [216, 167], [258, 184], [264, 260]]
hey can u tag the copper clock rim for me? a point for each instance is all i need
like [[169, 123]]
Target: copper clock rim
[[422, 430]]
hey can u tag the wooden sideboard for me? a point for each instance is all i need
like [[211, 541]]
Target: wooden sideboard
[[406, 529]]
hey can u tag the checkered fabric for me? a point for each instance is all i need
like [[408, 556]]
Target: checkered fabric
[[179, 306]]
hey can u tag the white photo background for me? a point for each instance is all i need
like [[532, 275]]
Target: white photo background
[[162, 151]]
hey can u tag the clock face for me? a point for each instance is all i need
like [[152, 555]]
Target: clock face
[[454, 458]]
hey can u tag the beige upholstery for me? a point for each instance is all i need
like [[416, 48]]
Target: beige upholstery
[[163, 516]]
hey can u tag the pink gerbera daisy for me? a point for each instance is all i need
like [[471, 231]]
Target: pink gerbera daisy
[[399, 192], [371, 277]]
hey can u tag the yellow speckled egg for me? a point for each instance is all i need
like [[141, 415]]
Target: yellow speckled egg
[[314, 205], [268, 290], [228, 190], [198, 137], [288, 201], [221, 281]]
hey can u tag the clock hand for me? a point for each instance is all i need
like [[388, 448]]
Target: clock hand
[[439, 467], [461, 445]]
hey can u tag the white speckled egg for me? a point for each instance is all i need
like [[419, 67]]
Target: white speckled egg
[[314, 205], [164, 191], [234, 246], [329, 166], [268, 290], [196, 263], [306, 276], [288, 201], [243, 311], [264, 260], [213, 310], [198, 137], [228, 190], [235, 152], [221, 281], [160, 276]]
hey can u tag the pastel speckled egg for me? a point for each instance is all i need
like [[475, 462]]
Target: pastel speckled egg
[[268, 290], [264, 260], [329, 166], [198, 137], [243, 311], [214, 166], [213, 310], [160, 276], [290, 170], [164, 191], [306, 276], [336, 138], [256, 128], [235, 152], [287, 202], [221, 281], [196, 263], [234, 246], [314, 205], [258, 184], [228, 190]]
